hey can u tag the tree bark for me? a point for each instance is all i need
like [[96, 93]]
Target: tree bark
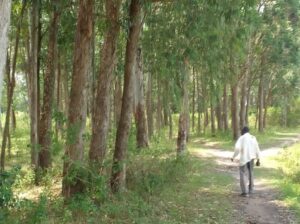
[[218, 110], [45, 123], [100, 116], [260, 104], [243, 102], [170, 122], [159, 106], [5, 9], [225, 108], [11, 82], [194, 101], [198, 106], [118, 175], [149, 106], [234, 111], [33, 81], [212, 120], [117, 100], [77, 115], [183, 124], [139, 104]]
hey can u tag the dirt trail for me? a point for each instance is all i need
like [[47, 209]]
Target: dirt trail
[[264, 206]]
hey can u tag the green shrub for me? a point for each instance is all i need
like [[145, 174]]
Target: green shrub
[[7, 179]]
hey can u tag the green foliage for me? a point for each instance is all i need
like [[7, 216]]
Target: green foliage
[[7, 179], [290, 163]]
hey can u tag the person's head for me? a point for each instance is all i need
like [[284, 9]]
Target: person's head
[[245, 130]]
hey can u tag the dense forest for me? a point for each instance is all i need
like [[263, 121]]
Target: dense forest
[[94, 93]]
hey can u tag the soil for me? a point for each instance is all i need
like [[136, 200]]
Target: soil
[[264, 205]]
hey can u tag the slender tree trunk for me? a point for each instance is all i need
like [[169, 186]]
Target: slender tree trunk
[[212, 120], [243, 103], [5, 138], [5, 8], [11, 85], [149, 106], [225, 108], [267, 100], [170, 122], [234, 111], [139, 104], [59, 104], [118, 175], [33, 64], [65, 91], [118, 99], [219, 114], [159, 106], [100, 117], [198, 106], [183, 124], [260, 104], [77, 115], [248, 104], [45, 123], [206, 120], [193, 101]]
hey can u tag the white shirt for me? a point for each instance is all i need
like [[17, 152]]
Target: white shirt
[[247, 147]]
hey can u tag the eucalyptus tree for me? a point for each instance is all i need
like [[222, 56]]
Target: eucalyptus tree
[[33, 86], [11, 82], [5, 9], [45, 123], [118, 175], [100, 114], [72, 182]]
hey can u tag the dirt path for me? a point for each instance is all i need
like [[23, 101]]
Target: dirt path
[[264, 206]]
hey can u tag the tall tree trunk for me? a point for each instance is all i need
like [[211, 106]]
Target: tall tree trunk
[[183, 124], [193, 101], [117, 99], [159, 106], [260, 104], [65, 91], [225, 108], [139, 104], [234, 111], [118, 175], [5, 138], [5, 8], [77, 115], [59, 102], [248, 104], [212, 119], [149, 106], [243, 103], [45, 123], [170, 122], [267, 100], [219, 114], [33, 81], [100, 116], [198, 105], [11, 85]]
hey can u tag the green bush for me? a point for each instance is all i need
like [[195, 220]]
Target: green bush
[[290, 163], [7, 179]]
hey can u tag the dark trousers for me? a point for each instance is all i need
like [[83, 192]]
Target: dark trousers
[[247, 170]]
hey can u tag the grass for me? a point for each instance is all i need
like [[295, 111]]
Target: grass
[[160, 188], [286, 176]]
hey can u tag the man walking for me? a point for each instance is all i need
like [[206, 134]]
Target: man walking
[[248, 149]]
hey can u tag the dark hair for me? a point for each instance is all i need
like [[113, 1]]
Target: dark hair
[[245, 130]]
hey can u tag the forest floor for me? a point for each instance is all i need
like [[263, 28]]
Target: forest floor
[[265, 206]]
